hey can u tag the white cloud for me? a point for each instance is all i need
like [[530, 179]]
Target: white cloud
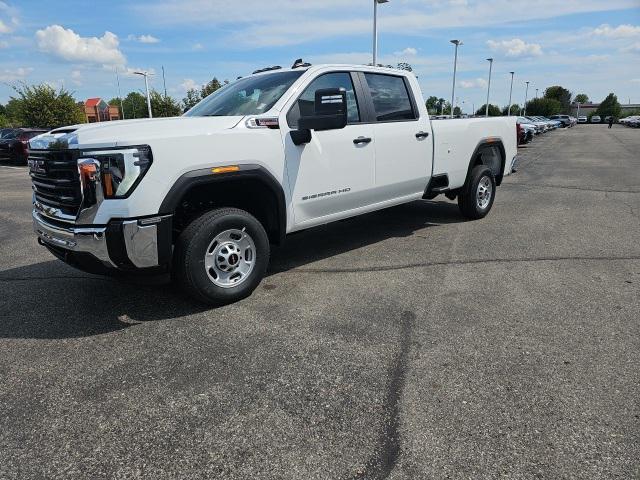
[[76, 78], [621, 31], [68, 45], [407, 52], [143, 38], [4, 44], [10, 20], [189, 84], [12, 75], [477, 83], [515, 48], [287, 22], [198, 46], [633, 48]]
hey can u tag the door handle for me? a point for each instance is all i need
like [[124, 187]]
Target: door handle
[[359, 140], [422, 135]]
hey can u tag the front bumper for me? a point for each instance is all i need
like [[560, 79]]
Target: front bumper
[[129, 245]]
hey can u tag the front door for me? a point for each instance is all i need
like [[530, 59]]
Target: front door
[[334, 173]]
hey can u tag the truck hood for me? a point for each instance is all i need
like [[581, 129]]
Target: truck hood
[[133, 132]]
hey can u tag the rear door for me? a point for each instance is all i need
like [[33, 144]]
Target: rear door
[[403, 145], [334, 173]]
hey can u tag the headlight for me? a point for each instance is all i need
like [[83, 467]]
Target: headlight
[[120, 169]]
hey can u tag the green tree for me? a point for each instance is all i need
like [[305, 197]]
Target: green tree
[[562, 95], [443, 107], [515, 109], [544, 107], [609, 107], [210, 87], [432, 104], [457, 111], [3, 109], [164, 105], [405, 66], [135, 105], [192, 98], [42, 106], [581, 98], [494, 110]]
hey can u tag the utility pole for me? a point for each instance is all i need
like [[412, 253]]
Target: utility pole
[[457, 43], [164, 82], [490, 60], [119, 93], [510, 93], [526, 96]]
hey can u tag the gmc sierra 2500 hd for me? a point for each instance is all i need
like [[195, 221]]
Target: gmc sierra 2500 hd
[[203, 196]]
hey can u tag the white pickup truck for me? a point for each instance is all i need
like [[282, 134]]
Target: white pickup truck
[[203, 196]]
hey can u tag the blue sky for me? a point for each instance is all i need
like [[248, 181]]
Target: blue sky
[[588, 46]]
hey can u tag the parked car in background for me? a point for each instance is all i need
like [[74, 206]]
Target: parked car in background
[[596, 119], [527, 132], [5, 132], [632, 121], [582, 119], [14, 145], [565, 120]]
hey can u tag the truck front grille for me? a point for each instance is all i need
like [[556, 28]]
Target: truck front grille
[[55, 179]]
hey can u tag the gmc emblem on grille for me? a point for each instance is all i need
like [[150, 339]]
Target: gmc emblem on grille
[[37, 166]]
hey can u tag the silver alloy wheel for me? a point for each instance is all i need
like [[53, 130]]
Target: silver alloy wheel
[[230, 258], [484, 192]]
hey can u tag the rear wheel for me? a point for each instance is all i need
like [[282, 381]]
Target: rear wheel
[[222, 256], [477, 196]]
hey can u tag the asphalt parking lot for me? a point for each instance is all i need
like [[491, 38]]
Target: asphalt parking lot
[[403, 344]]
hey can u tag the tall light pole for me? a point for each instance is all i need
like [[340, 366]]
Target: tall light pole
[[537, 92], [119, 93], [526, 96], [457, 43], [375, 29], [510, 93], [146, 84], [490, 60]]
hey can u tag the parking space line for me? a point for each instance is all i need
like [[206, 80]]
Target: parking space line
[[13, 168]]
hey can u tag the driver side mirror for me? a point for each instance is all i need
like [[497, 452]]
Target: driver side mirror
[[330, 113]]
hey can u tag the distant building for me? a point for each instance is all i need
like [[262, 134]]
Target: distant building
[[587, 109], [97, 110]]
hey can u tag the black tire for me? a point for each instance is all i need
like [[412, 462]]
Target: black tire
[[468, 197], [189, 269]]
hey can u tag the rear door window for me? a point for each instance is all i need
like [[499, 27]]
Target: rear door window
[[390, 97]]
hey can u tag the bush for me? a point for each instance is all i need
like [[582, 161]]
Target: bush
[[41, 106], [544, 107]]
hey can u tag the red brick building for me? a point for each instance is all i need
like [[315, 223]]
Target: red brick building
[[97, 110]]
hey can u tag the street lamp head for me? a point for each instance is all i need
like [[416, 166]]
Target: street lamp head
[[382, 1], [512, 73], [489, 59], [140, 73], [457, 42]]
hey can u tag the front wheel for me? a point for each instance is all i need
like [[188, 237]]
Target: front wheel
[[222, 256], [478, 194]]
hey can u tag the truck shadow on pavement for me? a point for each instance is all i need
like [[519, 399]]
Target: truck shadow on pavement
[[50, 300]]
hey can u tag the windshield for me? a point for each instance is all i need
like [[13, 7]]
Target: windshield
[[248, 96], [8, 134]]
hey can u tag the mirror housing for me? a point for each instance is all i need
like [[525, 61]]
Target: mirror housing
[[330, 113]]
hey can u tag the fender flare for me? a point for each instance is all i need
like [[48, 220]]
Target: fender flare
[[204, 176], [489, 142]]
